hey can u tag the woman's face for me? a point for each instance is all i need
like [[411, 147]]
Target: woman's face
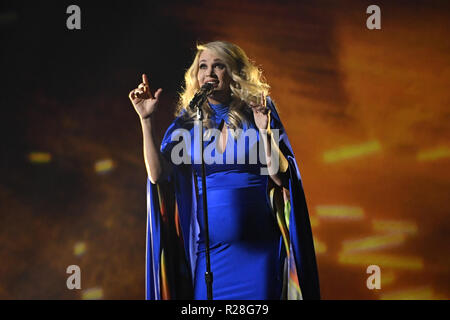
[[212, 69]]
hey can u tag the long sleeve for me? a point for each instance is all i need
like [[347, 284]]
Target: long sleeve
[[171, 231], [293, 219]]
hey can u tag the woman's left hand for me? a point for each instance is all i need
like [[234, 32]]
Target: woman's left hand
[[261, 113]]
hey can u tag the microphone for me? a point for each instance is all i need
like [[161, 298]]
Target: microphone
[[204, 91]]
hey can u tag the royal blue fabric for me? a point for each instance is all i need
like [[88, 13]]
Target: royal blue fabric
[[246, 248], [244, 236]]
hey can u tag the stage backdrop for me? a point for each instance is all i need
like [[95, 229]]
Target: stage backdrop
[[367, 112]]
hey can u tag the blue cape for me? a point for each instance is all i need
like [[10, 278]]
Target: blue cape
[[172, 227]]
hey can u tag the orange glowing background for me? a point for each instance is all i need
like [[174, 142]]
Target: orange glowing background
[[367, 112]]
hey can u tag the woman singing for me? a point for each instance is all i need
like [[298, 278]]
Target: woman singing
[[260, 238]]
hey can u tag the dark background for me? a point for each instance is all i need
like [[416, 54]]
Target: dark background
[[367, 112]]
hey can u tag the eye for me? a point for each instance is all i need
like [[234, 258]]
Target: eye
[[220, 66], [202, 66]]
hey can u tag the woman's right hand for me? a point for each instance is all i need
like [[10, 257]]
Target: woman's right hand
[[142, 99]]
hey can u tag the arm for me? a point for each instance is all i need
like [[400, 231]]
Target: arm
[[278, 172], [155, 164], [145, 104], [275, 160]]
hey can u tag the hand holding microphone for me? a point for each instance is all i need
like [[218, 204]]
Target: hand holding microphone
[[201, 95]]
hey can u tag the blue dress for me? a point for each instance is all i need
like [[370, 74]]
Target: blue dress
[[249, 258], [243, 230]]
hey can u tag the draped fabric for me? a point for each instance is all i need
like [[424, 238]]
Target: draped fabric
[[174, 232]]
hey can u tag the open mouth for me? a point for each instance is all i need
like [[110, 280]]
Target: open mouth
[[214, 83]]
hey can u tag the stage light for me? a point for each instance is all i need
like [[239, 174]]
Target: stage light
[[104, 166], [387, 278], [433, 154], [339, 212], [349, 152], [421, 293], [39, 157], [319, 246], [79, 248], [373, 243], [382, 260], [394, 226], [314, 221], [92, 294]]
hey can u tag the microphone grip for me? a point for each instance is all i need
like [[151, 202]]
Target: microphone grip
[[204, 91], [195, 100]]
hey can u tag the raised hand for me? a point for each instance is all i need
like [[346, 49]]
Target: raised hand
[[261, 113], [143, 100]]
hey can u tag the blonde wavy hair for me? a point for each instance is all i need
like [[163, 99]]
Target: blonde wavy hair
[[246, 86]]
